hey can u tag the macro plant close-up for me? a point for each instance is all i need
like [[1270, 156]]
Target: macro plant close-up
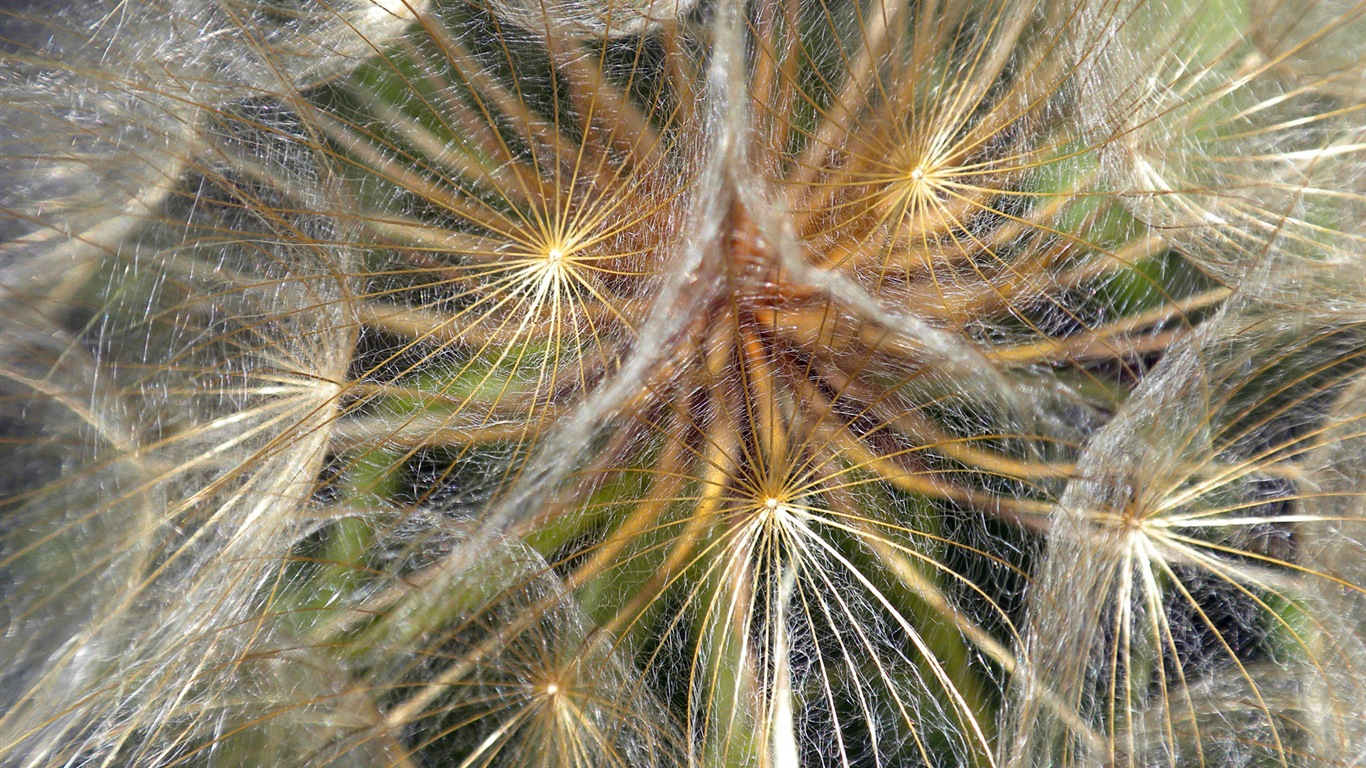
[[707, 383]]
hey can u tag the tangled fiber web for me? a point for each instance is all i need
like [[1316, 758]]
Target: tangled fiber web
[[696, 383]]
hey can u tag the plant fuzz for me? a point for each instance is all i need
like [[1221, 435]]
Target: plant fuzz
[[719, 383]]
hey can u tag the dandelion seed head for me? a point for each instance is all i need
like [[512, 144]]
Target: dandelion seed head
[[537, 415]]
